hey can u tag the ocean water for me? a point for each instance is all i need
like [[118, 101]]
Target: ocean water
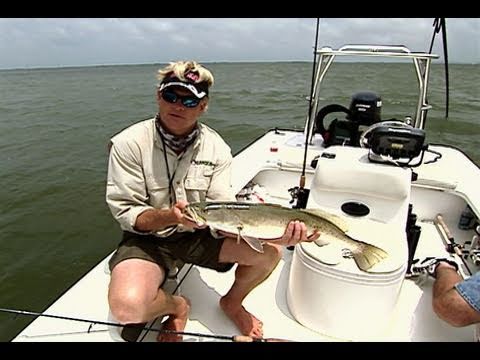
[[55, 125]]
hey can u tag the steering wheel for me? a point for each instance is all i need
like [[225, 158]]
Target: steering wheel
[[364, 138], [328, 109]]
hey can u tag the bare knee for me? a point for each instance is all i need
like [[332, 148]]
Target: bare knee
[[133, 287], [128, 307]]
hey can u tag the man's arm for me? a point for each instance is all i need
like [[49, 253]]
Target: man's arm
[[154, 219], [220, 187], [126, 193]]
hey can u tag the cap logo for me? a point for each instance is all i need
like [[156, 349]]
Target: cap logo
[[199, 89], [192, 76]]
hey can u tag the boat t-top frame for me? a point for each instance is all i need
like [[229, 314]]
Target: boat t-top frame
[[421, 62]]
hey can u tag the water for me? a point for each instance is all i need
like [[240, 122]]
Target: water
[[55, 125]]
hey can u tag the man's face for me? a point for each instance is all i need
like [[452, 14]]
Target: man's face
[[179, 109]]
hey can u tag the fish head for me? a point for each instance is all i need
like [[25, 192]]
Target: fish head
[[196, 212]]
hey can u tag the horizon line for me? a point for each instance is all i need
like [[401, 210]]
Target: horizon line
[[51, 67]]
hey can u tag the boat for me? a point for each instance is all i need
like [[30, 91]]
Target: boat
[[416, 200]]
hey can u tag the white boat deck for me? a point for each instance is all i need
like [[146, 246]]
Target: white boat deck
[[412, 320]]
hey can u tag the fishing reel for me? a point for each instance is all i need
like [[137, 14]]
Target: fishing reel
[[300, 195]]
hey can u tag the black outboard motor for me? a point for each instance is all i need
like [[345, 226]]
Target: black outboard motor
[[364, 111], [365, 108]]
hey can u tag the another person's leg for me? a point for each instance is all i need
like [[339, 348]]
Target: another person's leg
[[455, 300]]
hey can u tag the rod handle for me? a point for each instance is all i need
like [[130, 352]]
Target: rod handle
[[244, 338], [302, 181], [445, 228]]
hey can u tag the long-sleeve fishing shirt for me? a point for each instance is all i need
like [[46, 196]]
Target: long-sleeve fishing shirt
[[138, 179]]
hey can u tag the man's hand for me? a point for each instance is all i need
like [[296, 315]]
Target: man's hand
[[296, 232], [178, 210]]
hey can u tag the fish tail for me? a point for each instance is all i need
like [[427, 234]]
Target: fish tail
[[368, 255]]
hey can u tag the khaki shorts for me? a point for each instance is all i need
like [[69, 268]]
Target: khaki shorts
[[199, 248]]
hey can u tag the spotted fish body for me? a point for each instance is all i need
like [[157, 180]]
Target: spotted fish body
[[255, 223]]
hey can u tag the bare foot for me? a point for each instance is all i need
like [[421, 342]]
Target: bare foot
[[247, 323], [175, 322]]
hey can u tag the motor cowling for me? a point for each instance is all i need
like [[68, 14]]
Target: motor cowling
[[365, 108]]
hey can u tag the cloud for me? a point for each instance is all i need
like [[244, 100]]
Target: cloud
[[79, 41]]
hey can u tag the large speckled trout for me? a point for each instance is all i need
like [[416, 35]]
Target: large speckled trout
[[255, 223]]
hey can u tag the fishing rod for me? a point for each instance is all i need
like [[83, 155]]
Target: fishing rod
[[440, 24], [301, 193], [233, 338]]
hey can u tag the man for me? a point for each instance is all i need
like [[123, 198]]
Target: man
[[156, 167], [455, 300]]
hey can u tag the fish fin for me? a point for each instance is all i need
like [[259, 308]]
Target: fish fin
[[239, 234], [253, 242], [368, 255], [334, 219], [321, 241]]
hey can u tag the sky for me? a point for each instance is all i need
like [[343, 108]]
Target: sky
[[53, 42]]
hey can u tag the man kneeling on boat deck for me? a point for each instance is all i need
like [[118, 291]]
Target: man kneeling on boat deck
[[156, 167], [455, 300]]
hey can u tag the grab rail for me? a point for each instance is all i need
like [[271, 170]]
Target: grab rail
[[376, 50]]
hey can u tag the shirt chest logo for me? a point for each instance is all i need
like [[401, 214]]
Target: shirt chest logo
[[203, 162]]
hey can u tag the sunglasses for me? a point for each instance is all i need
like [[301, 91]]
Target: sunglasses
[[186, 100]]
